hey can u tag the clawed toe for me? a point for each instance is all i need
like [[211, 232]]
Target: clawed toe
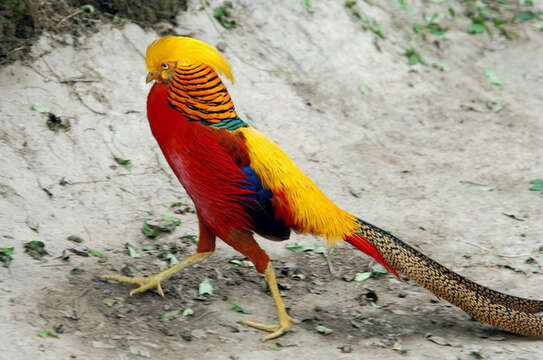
[[145, 283]]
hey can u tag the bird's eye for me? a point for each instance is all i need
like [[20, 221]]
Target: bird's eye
[[165, 66]]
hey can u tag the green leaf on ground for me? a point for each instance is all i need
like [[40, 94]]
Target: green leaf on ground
[[403, 4], [149, 246], [237, 308], [7, 251], [35, 248], [308, 7], [350, 4], [205, 287], [362, 276], [378, 269], [169, 315], [32, 223], [41, 108], [525, 16], [413, 57], [5, 255], [492, 77], [297, 247], [236, 262], [96, 253], [537, 185], [276, 346], [188, 312], [477, 28], [77, 271], [153, 228], [48, 333], [127, 164], [323, 330], [321, 250], [132, 252], [224, 14]]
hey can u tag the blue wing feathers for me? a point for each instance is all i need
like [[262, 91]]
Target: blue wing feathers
[[260, 208]]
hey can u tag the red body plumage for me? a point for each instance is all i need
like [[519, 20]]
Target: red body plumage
[[204, 166]]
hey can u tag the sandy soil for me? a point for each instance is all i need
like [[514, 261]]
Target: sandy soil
[[407, 156]]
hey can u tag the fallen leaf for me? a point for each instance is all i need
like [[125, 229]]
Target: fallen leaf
[[321, 250], [308, 7], [41, 108], [32, 223], [76, 271], [362, 276], [131, 251], [188, 312], [323, 330], [413, 57], [476, 28], [169, 315], [378, 269], [48, 333], [492, 77], [438, 340], [237, 308], [537, 185], [513, 216], [75, 238], [36, 249], [96, 253], [5, 255], [149, 246], [205, 287], [297, 247], [127, 164]]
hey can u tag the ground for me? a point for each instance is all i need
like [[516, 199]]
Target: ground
[[442, 159]]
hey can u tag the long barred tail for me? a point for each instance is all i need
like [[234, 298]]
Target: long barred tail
[[506, 312]]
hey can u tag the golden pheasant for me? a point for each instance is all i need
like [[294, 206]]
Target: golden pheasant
[[241, 183]]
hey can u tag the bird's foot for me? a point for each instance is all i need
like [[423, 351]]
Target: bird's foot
[[276, 329], [145, 283]]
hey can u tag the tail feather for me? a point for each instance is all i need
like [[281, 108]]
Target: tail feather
[[362, 244], [503, 311]]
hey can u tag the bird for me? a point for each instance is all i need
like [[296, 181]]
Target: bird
[[243, 184]]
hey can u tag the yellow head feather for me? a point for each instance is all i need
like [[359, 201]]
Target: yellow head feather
[[185, 51]]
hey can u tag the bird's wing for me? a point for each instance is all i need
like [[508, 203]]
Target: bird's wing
[[297, 201]]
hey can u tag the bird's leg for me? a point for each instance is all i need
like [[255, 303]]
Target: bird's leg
[[206, 246], [284, 319], [247, 245], [154, 281]]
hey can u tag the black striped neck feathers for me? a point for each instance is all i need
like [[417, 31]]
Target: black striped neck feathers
[[198, 92]]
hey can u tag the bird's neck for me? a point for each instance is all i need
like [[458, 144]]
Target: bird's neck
[[198, 92]]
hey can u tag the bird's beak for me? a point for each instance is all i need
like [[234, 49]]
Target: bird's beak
[[150, 77]]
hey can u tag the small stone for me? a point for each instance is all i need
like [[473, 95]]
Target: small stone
[[284, 286], [109, 302], [127, 270], [346, 349], [139, 352], [221, 46], [402, 294], [101, 345], [59, 329], [199, 334]]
